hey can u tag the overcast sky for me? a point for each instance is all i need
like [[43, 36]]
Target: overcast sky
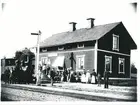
[[19, 18]]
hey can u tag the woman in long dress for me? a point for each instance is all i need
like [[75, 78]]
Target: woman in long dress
[[88, 77], [83, 78]]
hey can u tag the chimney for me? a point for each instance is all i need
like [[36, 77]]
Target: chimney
[[73, 26], [91, 21]]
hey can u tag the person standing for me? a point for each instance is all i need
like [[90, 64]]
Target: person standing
[[106, 78], [93, 77], [38, 79], [52, 75], [83, 77], [69, 73], [10, 77], [88, 76], [99, 79]]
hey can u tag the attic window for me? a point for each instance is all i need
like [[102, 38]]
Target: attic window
[[60, 48], [80, 45], [115, 42]]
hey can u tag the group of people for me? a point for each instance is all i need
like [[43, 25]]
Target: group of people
[[7, 76], [95, 78], [69, 75], [92, 77], [20, 74]]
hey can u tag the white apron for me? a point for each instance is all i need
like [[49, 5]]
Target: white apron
[[93, 80]]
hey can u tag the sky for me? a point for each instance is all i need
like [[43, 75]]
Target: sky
[[20, 18]]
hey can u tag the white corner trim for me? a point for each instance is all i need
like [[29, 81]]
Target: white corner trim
[[95, 56], [113, 52]]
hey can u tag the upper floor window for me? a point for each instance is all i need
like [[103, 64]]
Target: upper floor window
[[44, 49], [115, 42], [80, 59], [121, 65], [80, 45], [60, 48]]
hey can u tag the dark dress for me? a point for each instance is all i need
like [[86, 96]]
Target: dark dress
[[106, 79]]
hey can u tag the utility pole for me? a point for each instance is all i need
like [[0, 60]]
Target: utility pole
[[37, 57]]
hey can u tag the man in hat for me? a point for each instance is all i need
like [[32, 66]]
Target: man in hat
[[106, 78]]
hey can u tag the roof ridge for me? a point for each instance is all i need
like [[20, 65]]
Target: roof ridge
[[85, 28]]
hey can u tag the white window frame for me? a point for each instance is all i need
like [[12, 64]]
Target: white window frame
[[110, 57], [60, 48], [80, 46], [43, 62], [122, 59], [78, 64], [117, 36], [44, 49]]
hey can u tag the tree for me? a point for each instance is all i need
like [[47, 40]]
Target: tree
[[24, 58], [133, 68]]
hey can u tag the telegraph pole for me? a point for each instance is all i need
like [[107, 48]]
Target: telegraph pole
[[37, 57]]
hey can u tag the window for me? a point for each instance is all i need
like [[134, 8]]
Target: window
[[60, 48], [121, 65], [45, 60], [80, 45], [115, 42], [44, 49], [108, 63], [80, 59]]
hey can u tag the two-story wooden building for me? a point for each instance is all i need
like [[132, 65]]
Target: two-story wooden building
[[99, 47]]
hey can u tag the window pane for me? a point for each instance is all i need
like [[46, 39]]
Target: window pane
[[121, 65], [115, 42], [80, 62], [108, 63]]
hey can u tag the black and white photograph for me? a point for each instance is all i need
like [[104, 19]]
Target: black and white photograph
[[69, 51]]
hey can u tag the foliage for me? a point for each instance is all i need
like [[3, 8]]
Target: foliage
[[24, 58], [133, 68]]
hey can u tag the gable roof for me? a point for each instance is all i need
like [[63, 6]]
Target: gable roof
[[79, 35]]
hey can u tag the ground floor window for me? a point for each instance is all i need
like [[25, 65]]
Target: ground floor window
[[108, 63], [121, 65], [45, 60], [80, 60]]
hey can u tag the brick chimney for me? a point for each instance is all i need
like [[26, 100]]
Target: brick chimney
[[73, 26], [91, 22]]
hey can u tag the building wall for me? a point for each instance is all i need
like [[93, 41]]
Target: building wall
[[106, 42], [89, 57], [7, 64], [115, 64]]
